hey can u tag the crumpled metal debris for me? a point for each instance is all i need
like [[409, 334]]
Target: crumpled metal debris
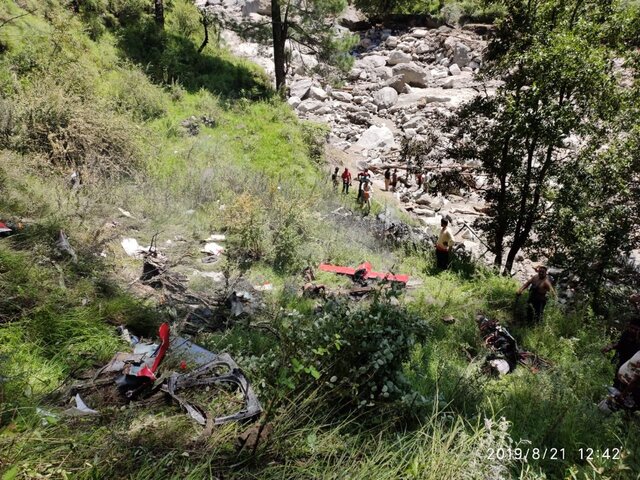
[[505, 354], [207, 374], [137, 376], [81, 409]]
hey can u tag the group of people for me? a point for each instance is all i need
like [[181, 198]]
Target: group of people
[[365, 185]]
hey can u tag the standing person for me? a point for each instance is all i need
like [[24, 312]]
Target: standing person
[[394, 179], [346, 180], [362, 177], [367, 190], [444, 245], [629, 342], [387, 179], [539, 285], [334, 178]]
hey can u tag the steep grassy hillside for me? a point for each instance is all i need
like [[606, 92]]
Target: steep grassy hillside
[[191, 144]]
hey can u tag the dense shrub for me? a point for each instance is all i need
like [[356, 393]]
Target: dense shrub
[[73, 134], [357, 353]]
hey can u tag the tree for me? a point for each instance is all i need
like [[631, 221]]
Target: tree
[[556, 61], [310, 25], [158, 8]]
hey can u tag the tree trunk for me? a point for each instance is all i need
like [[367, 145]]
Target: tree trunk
[[159, 13], [279, 29], [205, 24]]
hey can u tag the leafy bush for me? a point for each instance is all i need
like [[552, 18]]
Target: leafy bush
[[244, 222], [184, 18], [133, 93], [357, 353], [72, 133], [314, 136]]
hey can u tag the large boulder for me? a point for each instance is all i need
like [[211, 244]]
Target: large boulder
[[309, 106], [371, 62], [262, 7], [461, 55], [397, 83], [454, 69], [300, 88], [397, 57], [376, 137], [385, 97], [317, 93], [342, 96], [412, 74], [383, 73]]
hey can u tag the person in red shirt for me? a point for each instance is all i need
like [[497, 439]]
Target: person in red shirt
[[346, 180]]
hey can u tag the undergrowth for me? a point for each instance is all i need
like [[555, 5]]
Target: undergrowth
[[187, 144]]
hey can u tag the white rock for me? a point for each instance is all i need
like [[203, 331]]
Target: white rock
[[383, 73], [397, 57], [391, 42], [436, 73], [419, 33], [294, 101], [450, 83], [371, 62], [309, 106], [461, 55], [454, 69], [385, 97], [317, 93], [262, 7], [342, 96], [412, 74], [300, 88], [376, 137]]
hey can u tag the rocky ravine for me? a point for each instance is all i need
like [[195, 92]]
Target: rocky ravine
[[400, 83]]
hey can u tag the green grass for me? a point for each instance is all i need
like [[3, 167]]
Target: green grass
[[256, 170]]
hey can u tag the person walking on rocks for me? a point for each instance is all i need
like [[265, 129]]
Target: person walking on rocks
[[539, 285], [444, 245], [346, 181], [367, 189], [387, 179], [394, 179], [334, 178], [363, 177]]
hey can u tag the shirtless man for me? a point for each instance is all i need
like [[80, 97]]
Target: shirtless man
[[539, 285]]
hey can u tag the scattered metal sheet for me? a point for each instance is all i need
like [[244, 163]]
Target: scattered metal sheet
[[187, 350], [81, 409]]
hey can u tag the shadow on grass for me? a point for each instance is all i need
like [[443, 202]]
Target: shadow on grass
[[168, 58]]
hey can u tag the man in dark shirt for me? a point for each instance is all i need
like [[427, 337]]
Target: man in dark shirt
[[629, 342], [539, 285]]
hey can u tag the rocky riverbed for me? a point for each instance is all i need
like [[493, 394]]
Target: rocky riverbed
[[402, 81]]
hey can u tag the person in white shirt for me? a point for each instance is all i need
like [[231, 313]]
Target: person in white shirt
[[444, 245]]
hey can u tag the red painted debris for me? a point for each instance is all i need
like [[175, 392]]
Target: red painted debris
[[369, 274]]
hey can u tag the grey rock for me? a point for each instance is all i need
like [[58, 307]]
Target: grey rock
[[383, 73], [342, 96], [376, 137], [461, 55], [317, 93], [294, 101], [412, 74], [300, 88], [309, 106], [397, 57], [454, 69], [385, 97]]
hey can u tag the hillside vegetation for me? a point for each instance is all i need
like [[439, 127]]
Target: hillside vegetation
[[191, 144]]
